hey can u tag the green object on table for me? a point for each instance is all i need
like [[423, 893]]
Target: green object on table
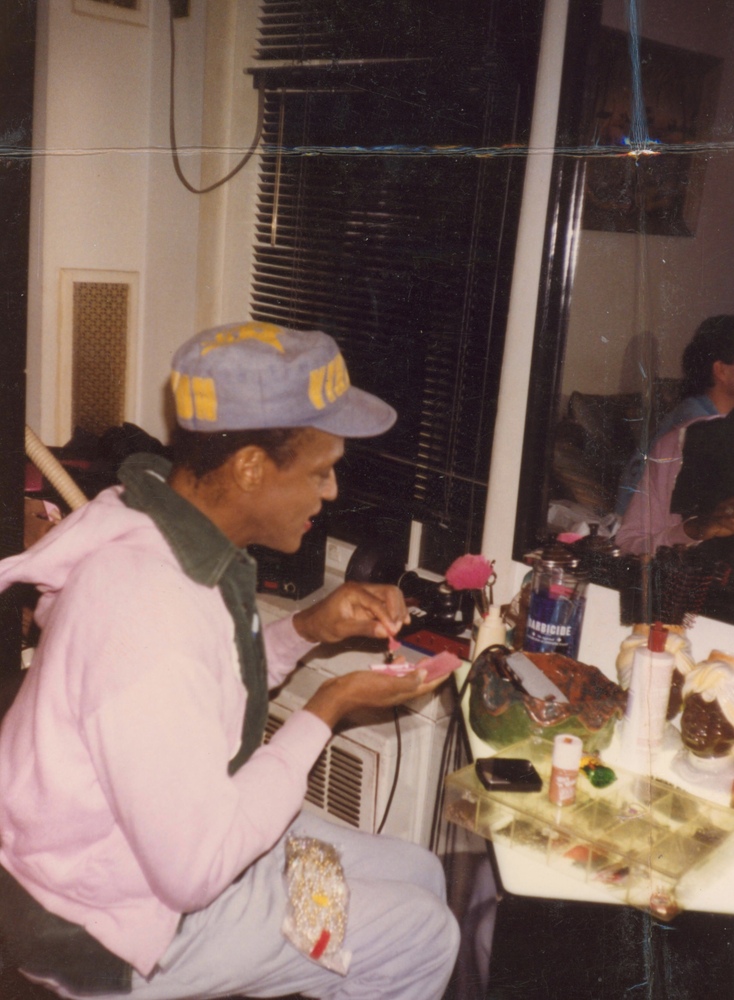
[[502, 712], [514, 724], [599, 775]]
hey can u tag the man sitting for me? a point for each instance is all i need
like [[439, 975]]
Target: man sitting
[[143, 823]]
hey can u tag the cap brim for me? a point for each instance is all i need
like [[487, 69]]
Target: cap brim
[[358, 415]]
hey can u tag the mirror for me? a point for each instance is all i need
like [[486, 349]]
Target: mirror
[[638, 251]]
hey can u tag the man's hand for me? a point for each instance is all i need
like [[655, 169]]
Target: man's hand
[[367, 609], [339, 696], [718, 524]]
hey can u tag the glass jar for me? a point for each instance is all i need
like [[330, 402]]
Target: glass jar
[[557, 602]]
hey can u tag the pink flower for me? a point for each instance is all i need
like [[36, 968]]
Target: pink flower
[[469, 573]]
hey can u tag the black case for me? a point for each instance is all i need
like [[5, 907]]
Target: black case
[[508, 774], [293, 575]]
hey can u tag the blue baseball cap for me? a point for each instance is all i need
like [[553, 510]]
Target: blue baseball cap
[[247, 376]]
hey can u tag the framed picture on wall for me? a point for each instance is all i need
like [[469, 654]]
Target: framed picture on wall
[[659, 191], [129, 11]]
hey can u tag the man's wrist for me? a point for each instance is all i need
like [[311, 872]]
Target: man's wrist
[[301, 623], [327, 702]]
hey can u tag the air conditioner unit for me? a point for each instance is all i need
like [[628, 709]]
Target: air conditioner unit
[[351, 781]]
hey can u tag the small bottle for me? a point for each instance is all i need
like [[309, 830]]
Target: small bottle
[[491, 631], [565, 765], [643, 725]]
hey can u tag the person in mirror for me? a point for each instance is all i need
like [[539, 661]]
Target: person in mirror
[[703, 495], [143, 821], [703, 394], [708, 363]]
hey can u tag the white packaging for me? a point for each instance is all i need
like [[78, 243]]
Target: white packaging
[[643, 725], [566, 760], [491, 631]]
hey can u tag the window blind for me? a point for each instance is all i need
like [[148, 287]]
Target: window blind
[[388, 202]]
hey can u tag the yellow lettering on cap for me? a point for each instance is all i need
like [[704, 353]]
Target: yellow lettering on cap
[[266, 333], [205, 398], [315, 386], [181, 386], [341, 376], [330, 381]]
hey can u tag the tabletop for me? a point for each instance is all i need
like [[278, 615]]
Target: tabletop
[[709, 888]]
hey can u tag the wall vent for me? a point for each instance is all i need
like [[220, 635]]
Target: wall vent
[[99, 356], [96, 351]]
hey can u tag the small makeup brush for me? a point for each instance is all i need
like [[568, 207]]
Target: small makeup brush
[[392, 647]]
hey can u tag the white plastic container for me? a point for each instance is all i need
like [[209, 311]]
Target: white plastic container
[[643, 726], [491, 631], [566, 760]]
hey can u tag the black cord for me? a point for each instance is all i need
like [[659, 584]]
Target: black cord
[[451, 741], [172, 126], [396, 716], [448, 743]]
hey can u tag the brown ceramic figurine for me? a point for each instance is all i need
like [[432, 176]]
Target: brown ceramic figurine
[[707, 721]]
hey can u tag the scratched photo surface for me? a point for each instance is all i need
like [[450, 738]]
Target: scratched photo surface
[[512, 215]]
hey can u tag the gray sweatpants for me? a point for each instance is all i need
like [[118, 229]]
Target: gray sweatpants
[[402, 936]]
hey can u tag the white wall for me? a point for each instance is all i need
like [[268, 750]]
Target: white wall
[[93, 155], [169, 234], [230, 116], [105, 195]]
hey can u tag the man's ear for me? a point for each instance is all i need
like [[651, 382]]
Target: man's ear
[[248, 468]]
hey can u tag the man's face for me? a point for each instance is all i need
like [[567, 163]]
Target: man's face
[[291, 495]]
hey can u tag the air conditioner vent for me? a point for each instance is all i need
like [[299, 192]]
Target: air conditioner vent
[[345, 786], [351, 783], [316, 791], [335, 782], [271, 728]]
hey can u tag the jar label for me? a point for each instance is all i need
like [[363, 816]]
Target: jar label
[[553, 625]]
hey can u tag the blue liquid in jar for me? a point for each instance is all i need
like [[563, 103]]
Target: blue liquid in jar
[[554, 624]]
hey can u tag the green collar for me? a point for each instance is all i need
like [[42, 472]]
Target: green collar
[[209, 558], [202, 550]]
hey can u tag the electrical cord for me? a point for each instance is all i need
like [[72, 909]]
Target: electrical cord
[[172, 125], [396, 716], [451, 742]]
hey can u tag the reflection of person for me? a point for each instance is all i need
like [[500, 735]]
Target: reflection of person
[[704, 490], [134, 786], [708, 362], [707, 392]]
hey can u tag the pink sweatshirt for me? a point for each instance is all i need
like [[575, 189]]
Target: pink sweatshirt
[[116, 809]]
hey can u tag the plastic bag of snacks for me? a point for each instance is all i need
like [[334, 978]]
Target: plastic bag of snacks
[[318, 902]]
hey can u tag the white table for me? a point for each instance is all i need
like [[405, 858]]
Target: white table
[[709, 888]]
